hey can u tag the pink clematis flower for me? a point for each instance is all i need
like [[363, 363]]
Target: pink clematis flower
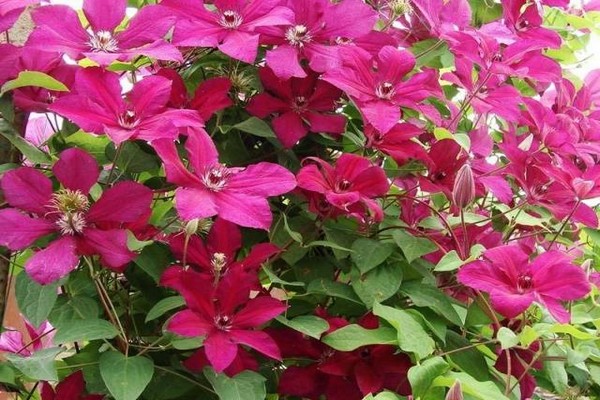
[[314, 33], [12, 341], [80, 228], [300, 105], [377, 87], [9, 56], [224, 315], [514, 283], [96, 105], [58, 28], [397, 142], [10, 11], [350, 186], [238, 195], [217, 255], [231, 27], [70, 388]]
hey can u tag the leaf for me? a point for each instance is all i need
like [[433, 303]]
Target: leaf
[[125, 377], [86, 329], [133, 157], [247, 385], [351, 337], [326, 243], [377, 285], [450, 262], [468, 358], [479, 390], [333, 289], [384, 396], [296, 237], [309, 325], [34, 300], [431, 297], [369, 253], [77, 307], [442, 133], [30, 152], [571, 330], [412, 247], [33, 78], [39, 366], [7, 374], [422, 375], [163, 306], [507, 338], [95, 145], [275, 279], [256, 127], [412, 337]]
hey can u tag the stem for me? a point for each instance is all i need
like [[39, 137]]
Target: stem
[[114, 165], [185, 378], [564, 224]]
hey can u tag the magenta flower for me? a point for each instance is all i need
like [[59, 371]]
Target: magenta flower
[[96, 105], [514, 283], [58, 28], [231, 27], [70, 388], [397, 142], [80, 228], [350, 186], [224, 315], [12, 341], [10, 11], [300, 105], [238, 195], [9, 55], [313, 33], [377, 87]]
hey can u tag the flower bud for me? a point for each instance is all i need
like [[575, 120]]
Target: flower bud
[[455, 392], [463, 192]]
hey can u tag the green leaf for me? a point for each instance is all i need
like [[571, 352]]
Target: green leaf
[[125, 377], [275, 279], [384, 396], [466, 357], [76, 308], [527, 336], [507, 338], [412, 337], [431, 297], [256, 127], [296, 237], [351, 337], [450, 262], [369, 253], [7, 374], [327, 243], [333, 289], [31, 152], [34, 300], [471, 386], [164, 306], [422, 375], [247, 385], [95, 145], [133, 158], [86, 329], [309, 325], [412, 247], [378, 284], [33, 78], [442, 133], [39, 366]]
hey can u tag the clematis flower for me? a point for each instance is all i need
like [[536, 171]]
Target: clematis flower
[[218, 253], [80, 228], [300, 105], [377, 87], [9, 55], [238, 195], [12, 340], [70, 388], [314, 33], [514, 283], [350, 186], [11, 10], [397, 142], [231, 27], [96, 105], [224, 315], [58, 29]]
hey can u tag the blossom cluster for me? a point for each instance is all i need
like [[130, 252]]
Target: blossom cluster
[[337, 198]]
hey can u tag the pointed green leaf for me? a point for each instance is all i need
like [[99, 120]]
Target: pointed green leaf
[[34, 78], [351, 337], [39, 366], [247, 385], [125, 377], [86, 329], [369, 253]]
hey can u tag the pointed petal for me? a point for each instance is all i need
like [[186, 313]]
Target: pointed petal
[[125, 202], [174, 168], [244, 210], [556, 277], [27, 189], [150, 95], [76, 170], [212, 95], [258, 311], [220, 350], [328, 123], [240, 45], [104, 15], [71, 387], [18, 231], [224, 237], [195, 203], [53, 262], [369, 380], [262, 179], [58, 29], [201, 151], [556, 309], [481, 275], [383, 115], [259, 341], [188, 323], [511, 304], [283, 60], [289, 128], [259, 254], [111, 245], [147, 26]]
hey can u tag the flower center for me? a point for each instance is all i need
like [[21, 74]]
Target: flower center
[[128, 120], [385, 90], [299, 104], [342, 185], [223, 322], [524, 283], [230, 19], [71, 205], [218, 262], [103, 41], [298, 35], [215, 179], [343, 40]]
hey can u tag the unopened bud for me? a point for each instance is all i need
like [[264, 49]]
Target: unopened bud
[[463, 192], [191, 227], [455, 392]]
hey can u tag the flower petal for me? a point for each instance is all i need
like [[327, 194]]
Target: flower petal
[[111, 245], [110, 206], [188, 323], [244, 210], [289, 128], [262, 179], [259, 341], [258, 311], [76, 170], [195, 203], [27, 189], [511, 304], [18, 231], [104, 15], [53, 262], [220, 350]]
